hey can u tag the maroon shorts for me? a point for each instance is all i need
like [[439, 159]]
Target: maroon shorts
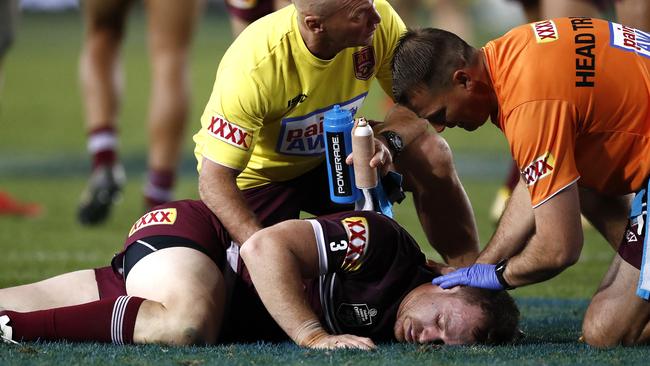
[[280, 201], [249, 10], [109, 283]]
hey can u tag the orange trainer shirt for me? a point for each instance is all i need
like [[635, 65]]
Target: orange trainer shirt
[[573, 104]]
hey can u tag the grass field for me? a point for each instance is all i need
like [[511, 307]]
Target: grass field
[[43, 159]]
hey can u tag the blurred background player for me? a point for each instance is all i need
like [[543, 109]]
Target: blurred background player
[[8, 18], [453, 15], [244, 12], [170, 28]]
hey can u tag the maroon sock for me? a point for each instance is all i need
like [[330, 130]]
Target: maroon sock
[[158, 189], [102, 145], [106, 320]]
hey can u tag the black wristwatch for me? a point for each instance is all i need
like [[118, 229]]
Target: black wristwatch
[[395, 144], [498, 270]]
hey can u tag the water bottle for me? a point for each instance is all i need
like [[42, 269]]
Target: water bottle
[[363, 149], [337, 126]]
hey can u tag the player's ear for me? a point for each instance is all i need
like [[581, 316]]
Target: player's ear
[[462, 78], [314, 23]]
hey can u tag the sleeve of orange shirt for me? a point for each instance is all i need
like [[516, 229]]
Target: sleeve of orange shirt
[[542, 135]]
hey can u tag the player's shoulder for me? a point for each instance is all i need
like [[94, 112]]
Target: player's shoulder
[[380, 225]]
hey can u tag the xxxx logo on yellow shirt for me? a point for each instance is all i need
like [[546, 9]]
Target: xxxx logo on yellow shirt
[[229, 132]]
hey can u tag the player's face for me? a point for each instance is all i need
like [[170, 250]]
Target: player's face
[[353, 24], [429, 314], [456, 106]]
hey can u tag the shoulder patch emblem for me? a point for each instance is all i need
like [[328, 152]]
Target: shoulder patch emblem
[[545, 31], [538, 169], [230, 133], [358, 237], [364, 63], [165, 216]]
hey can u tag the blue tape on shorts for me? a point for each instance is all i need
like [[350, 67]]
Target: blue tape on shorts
[[643, 287]]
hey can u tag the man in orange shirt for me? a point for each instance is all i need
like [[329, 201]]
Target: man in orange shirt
[[571, 96]]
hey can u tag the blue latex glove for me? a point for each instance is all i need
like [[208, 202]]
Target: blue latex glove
[[477, 275]]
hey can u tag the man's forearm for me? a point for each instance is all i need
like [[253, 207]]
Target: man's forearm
[[221, 194], [556, 244], [515, 228]]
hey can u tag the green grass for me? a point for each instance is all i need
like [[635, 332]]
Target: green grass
[[43, 159]]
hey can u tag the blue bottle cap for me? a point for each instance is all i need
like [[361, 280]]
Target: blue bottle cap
[[338, 116]]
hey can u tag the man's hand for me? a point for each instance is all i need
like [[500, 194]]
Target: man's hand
[[328, 341], [477, 275], [381, 159]]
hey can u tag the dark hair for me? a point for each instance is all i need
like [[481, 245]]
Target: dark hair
[[428, 56], [500, 311]]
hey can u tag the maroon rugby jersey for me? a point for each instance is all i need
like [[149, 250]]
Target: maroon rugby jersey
[[368, 264]]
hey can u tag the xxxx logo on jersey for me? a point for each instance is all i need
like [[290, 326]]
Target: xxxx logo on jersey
[[165, 216], [538, 169], [545, 31], [229, 132], [358, 235]]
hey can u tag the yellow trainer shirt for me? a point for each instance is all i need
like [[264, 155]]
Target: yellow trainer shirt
[[265, 113]]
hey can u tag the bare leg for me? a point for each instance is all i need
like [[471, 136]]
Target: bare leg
[[407, 10], [440, 200], [568, 8], [171, 24], [634, 13], [100, 70], [185, 295], [453, 15], [68, 289], [608, 214], [237, 24], [616, 315]]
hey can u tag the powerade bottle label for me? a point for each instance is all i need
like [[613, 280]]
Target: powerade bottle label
[[339, 171], [337, 127]]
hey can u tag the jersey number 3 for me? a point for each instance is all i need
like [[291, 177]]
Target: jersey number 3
[[343, 245]]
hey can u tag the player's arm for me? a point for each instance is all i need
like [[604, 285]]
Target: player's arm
[[277, 258], [229, 129], [514, 230], [218, 190]]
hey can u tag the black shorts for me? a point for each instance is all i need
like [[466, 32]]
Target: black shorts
[[145, 246]]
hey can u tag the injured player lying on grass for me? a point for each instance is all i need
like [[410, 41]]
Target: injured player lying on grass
[[344, 280]]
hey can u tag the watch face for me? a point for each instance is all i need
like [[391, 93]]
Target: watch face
[[397, 141]]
